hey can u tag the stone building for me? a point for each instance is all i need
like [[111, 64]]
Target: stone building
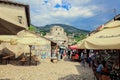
[[71, 39], [14, 17], [58, 35], [15, 21]]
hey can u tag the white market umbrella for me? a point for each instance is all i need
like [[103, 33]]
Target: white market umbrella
[[8, 38], [29, 40], [112, 24], [108, 38]]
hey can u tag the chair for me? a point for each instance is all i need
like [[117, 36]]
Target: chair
[[23, 60], [36, 59], [7, 57]]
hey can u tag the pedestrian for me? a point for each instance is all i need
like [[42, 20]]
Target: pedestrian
[[89, 61], [83, 59], [61, 52], [99, 69], [68, 54]]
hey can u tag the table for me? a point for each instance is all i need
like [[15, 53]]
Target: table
[[7, 58], [27, 59]]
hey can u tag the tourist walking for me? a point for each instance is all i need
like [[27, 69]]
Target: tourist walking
[[99, 69], [68, 54], [82, 59]]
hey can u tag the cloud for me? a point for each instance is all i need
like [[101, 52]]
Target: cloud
[[75, 12], [43, 13], [39, 20], [79, 2], [81, 11]]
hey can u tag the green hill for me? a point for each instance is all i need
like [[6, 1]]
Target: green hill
[[67, 28], [78, 33]]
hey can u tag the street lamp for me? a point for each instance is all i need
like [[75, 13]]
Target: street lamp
[[30, 54]]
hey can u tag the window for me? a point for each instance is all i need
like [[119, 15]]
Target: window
[[20, 19]]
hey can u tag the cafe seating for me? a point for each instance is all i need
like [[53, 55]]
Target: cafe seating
[[26, 59], [6, 57], [23, 60]]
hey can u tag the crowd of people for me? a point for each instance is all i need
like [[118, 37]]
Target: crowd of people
[[105, 63], [59, 53], [104, 66]]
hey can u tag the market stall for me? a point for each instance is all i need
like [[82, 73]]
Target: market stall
[[108, 38], [107, 42], [74, 52]]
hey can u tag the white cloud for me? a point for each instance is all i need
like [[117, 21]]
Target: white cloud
[[75, 12], [79, 2], [46, 19], [42, 14], [41, 20], [30, 1], [55, 2]]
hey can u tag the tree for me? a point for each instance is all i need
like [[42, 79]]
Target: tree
[[33, 28], [79, 37]]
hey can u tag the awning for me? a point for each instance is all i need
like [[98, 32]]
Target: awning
[[8, 38], [108, 38], [73, 47]]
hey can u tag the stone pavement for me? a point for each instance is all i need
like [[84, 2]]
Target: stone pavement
[[46, 70]]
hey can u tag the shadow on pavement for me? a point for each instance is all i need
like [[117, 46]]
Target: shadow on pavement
[[84, 74], [73, 77]]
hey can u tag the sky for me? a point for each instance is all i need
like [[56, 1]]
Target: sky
[[82, 14]]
